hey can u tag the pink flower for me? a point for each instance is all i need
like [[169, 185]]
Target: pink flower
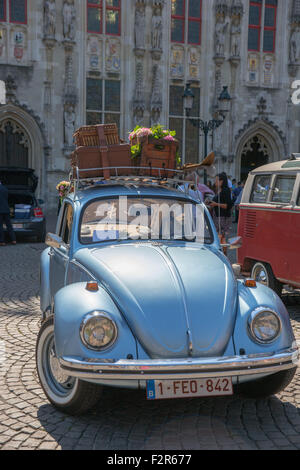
[[170, 138]]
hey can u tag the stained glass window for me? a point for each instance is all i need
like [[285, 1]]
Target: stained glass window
[[186, 14], [94, 16], [94, 94], [194, 22], [113, 17], [270, 25], [2, 10], [18, 11], [186, 133], [103, 101], [176, 100], [262, 12], [177, 20], [112, 95]]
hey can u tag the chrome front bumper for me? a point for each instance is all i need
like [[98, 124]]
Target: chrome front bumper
[[166, 369]]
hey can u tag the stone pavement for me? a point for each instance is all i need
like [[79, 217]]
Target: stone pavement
[[122, 419]]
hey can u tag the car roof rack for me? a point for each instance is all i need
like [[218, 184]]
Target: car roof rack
[[165, 177]]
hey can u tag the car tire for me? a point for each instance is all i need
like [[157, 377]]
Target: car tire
[[263, 273], [267, 386], [68, 394]]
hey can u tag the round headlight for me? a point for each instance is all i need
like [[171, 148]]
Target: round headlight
[[265, 325], [98, 331]]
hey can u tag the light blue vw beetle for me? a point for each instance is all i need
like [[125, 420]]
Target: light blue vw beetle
[[132, 296]]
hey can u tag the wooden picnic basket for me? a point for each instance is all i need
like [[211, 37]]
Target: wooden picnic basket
[[100, 147]]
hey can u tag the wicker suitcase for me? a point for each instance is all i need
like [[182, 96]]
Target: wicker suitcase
[[100, 147]]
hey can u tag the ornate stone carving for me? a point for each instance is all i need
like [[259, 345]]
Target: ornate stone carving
[[296, 12], [295, 45], [220, 35], [157, 28], [221, 10], [139, 27], [156, 96], [11, 88], [69, 20], [236, 13], [69, 124], [139, 95], [49, 19]]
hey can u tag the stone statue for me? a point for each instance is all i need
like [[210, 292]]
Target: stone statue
[[69, 118], [295, 46], [235, 37], [49, 18], [69, 15], [221, 30], [156, 33], [139, 28]]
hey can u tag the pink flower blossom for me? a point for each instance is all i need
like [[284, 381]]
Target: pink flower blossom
[[170, 138]]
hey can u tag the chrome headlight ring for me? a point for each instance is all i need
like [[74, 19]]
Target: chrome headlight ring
[[260, 320], [98, 331]]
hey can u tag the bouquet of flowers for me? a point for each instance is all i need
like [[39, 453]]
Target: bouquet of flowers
[[63, 189]]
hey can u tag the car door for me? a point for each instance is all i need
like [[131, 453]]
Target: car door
[[59, 257]]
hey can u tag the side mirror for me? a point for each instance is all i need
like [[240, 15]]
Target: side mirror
[[233, 243], [55, 241], [41, 202]]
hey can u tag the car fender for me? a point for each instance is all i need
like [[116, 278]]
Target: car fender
[[45, 295], [71, 304], [248, 300]]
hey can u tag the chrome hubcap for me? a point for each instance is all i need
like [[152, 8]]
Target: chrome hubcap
[[58, 380]]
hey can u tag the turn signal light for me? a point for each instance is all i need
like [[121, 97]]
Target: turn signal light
[[92, 286], [250, 283]]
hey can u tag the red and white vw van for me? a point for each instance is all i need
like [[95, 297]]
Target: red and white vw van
[[269, 225]]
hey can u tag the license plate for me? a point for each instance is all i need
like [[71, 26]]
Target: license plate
[[166, 389], [16, 226]]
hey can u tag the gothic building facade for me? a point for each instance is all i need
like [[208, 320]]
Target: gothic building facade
[[65, 63]]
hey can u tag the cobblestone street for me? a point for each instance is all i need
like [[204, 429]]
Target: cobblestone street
[[122, 419]]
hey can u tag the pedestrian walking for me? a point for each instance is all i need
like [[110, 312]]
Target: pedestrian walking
[[222, 205], [5, 216]]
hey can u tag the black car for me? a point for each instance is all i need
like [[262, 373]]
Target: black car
[[26, 214]]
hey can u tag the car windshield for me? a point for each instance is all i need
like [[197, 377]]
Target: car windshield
[[144, 219]]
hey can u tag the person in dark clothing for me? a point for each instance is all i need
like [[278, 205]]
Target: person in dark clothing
[[221, 206], [5, 216]]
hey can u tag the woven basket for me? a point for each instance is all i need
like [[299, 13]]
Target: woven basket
[[87, 136]]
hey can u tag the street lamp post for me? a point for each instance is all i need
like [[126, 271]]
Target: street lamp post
[[213, 124]]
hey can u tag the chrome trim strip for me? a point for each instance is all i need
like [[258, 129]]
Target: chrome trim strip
[[167, 369]]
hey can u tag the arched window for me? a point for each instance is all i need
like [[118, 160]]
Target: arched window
[[2, 92]]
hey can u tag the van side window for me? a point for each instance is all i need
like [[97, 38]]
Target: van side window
[[260, 189], [283, 189]]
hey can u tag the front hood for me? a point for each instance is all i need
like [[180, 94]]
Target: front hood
[[179, 299]]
